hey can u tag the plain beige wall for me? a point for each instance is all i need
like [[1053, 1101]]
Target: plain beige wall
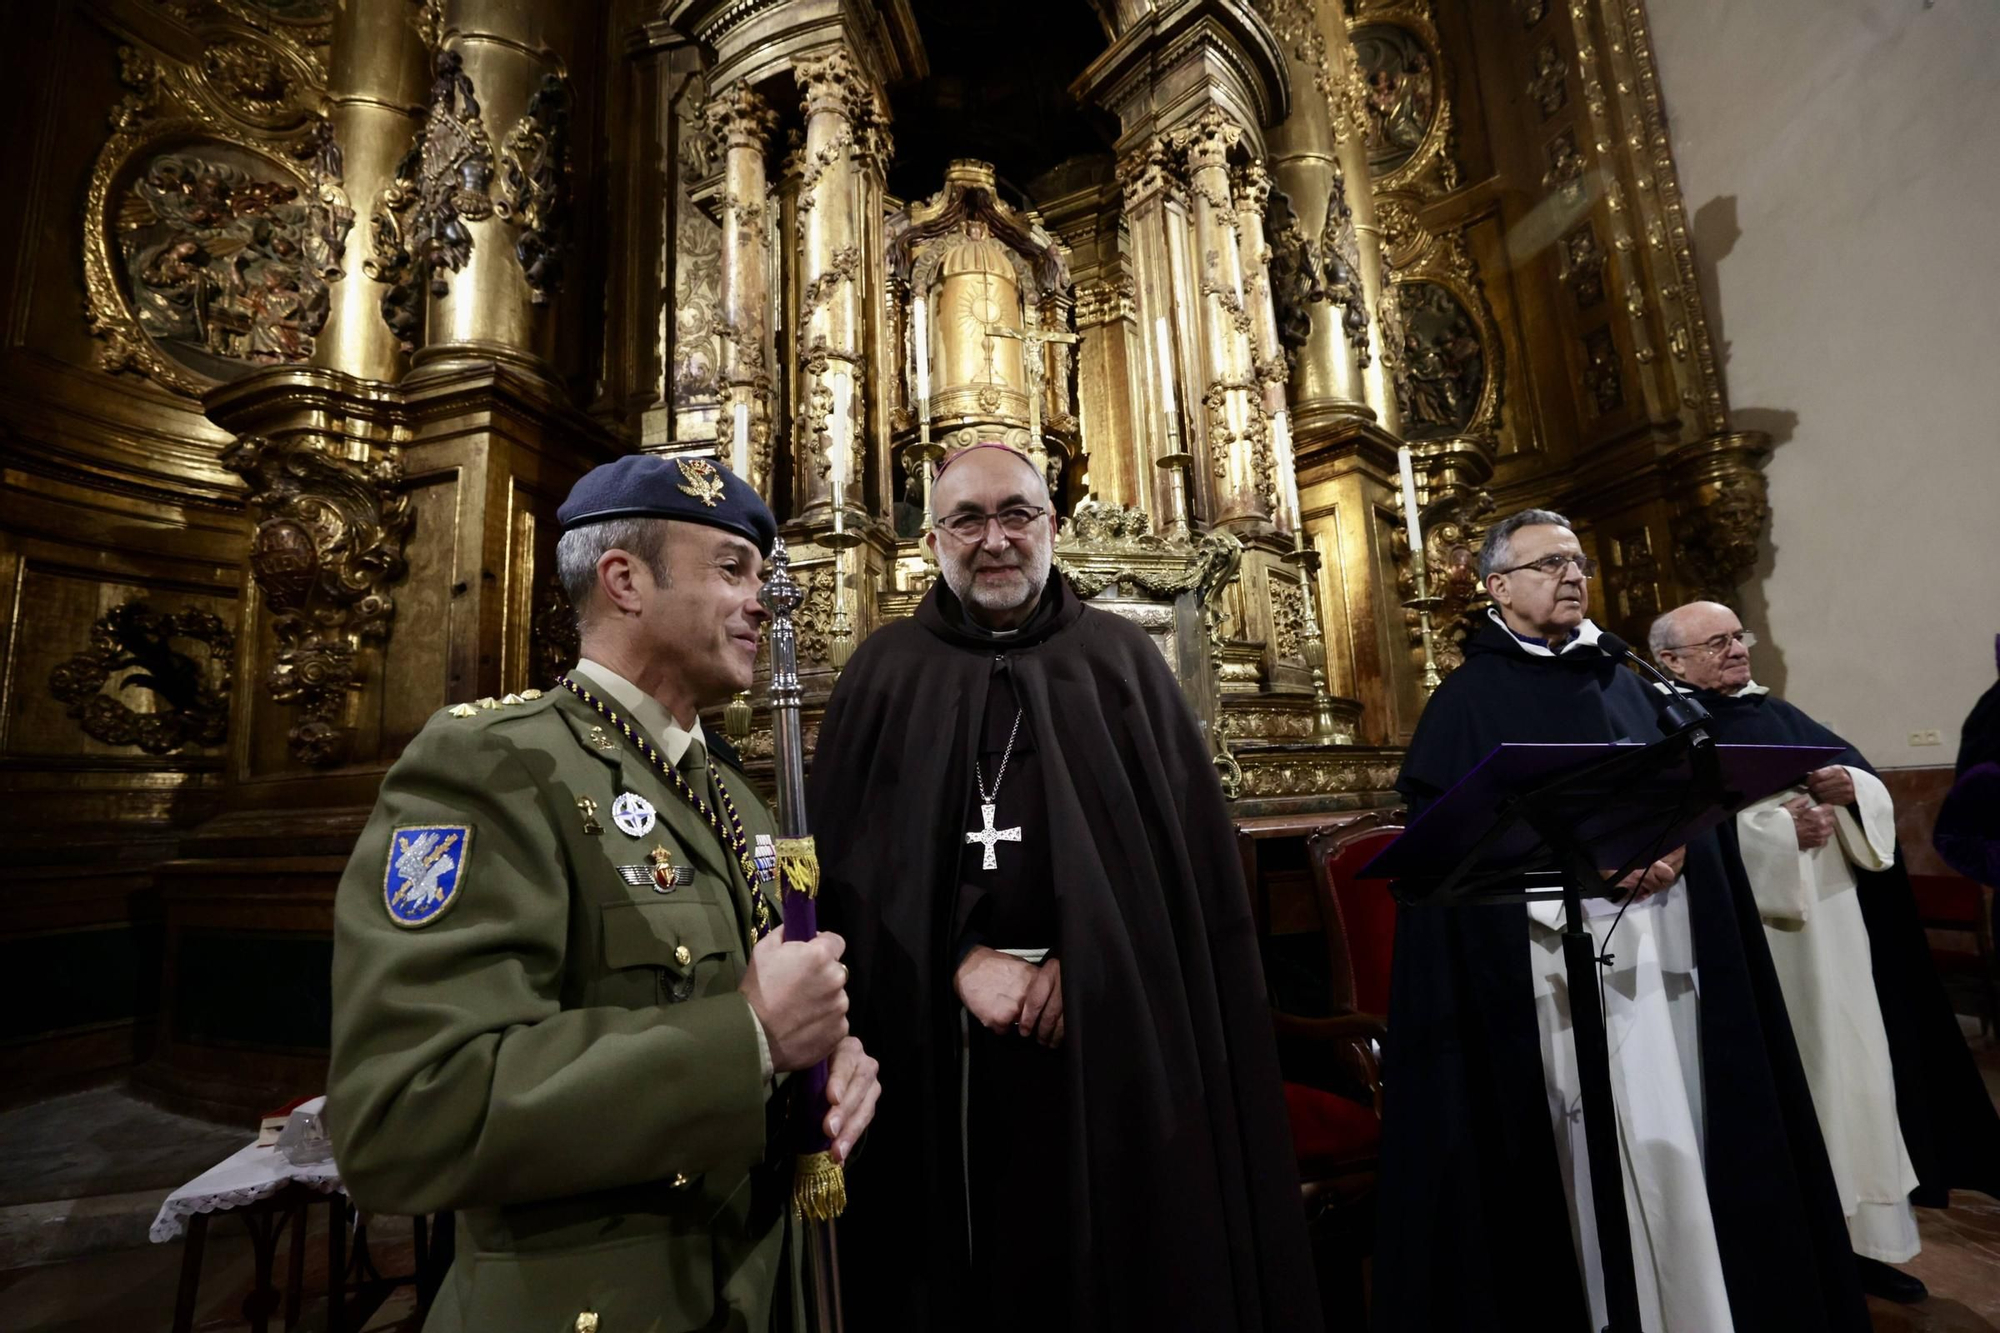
[[1841, 165]]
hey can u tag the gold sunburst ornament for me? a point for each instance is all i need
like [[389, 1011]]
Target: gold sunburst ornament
[[701, 480]]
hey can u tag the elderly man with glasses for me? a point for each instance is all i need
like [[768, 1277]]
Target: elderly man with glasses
[[1027, 850], [1904, 1113], [1730, 1201]]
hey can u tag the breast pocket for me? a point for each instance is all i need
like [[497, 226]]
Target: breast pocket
[[686, 946]]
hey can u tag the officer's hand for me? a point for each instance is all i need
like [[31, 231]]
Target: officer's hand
[[851, 1093], [992, 986], [798, 990]]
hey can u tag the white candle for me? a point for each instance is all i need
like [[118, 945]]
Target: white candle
[[1166, 351], [1404, 464], [1288, 474], [840, 434], [739, 460], [921, 335]]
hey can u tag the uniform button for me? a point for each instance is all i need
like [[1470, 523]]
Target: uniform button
[[683, 955]]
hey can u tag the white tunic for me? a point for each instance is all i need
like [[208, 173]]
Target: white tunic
[[1819, 943], [1652, 1022], [1651, 1018]]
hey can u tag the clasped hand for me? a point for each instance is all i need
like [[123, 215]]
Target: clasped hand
[[1832, 785], [1660, 875], [1006, 993], [1812, 823]]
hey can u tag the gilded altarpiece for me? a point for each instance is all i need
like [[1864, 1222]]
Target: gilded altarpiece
[[1537, 238], [317, 310]]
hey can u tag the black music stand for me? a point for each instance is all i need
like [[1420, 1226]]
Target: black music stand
[[1534, 822]]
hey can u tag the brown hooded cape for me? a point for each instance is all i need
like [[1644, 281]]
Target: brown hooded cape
[[1182, 1208]]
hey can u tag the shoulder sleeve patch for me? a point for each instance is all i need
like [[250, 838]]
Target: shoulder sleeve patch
[[425, 872]]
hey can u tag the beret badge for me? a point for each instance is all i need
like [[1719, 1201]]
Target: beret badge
[[700, 480]]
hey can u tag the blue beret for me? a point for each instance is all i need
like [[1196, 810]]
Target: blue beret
[[689, 488]]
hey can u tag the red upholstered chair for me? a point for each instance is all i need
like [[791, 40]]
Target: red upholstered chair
[[1958, 915], [1333, 1089]]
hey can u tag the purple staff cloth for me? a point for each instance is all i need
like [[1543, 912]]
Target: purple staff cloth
[[802, 923]]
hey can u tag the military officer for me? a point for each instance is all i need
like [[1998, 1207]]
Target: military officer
[[561, 1007]]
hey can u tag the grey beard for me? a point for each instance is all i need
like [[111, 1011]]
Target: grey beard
[[958, 577]]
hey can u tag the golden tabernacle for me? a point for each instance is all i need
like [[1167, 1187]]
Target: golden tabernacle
[[321, 308]]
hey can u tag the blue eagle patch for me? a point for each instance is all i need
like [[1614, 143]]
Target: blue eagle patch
[[426, 868]]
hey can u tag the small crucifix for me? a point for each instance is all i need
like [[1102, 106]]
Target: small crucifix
[[1033, 339], [989, 835]]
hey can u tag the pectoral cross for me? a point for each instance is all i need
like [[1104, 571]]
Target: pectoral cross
[[989, 835], [1033, 339]]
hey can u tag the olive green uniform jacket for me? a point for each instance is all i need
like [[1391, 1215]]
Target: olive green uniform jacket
[[557, 1054]]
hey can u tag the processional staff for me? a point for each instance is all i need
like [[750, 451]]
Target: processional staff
[[820, 1193]]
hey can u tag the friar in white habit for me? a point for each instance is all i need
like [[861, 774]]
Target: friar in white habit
[[1899, 1104], [1488, 1218]]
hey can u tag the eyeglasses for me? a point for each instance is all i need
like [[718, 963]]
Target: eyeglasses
[[969, 525], [1719, 644], [1552, 566]]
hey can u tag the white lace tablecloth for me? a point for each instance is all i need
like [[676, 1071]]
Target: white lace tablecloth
[[244, 1177]]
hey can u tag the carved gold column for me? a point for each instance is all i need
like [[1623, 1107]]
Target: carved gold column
[[1252, 197], [831, 394], [874, 469], [494, 173], [1238, 442], [1350, 140], [1110, 358], [742, 120], [374, 101], [1144, 172], [1317, 259]]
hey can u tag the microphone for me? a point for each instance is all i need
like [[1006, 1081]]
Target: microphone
[[1683, 718], [1681, 712]]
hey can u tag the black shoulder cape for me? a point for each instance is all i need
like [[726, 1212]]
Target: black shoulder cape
[[1474, 1225], [1948, 1121], [1189, 1213], [1967, 834]]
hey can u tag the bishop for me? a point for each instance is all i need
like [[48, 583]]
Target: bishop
[[1092, 1114]]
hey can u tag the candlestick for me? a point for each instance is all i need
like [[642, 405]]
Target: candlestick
[[921, 335], [1166, 354], [1419, 575]]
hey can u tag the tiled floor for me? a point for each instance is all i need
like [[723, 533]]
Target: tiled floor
[[104, 1141], [132, 1291], [1960, 1264]]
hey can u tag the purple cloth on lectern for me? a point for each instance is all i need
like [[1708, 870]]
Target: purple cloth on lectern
[[1449, 827]]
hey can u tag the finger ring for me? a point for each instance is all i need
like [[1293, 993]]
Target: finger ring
[[843, 972]]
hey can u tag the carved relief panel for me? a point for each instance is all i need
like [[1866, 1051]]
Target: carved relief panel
[[1448, 362], [215, 216], [1403, 89]]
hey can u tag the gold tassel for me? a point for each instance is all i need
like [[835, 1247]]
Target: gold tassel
[[798, 866], [820, 1192]]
